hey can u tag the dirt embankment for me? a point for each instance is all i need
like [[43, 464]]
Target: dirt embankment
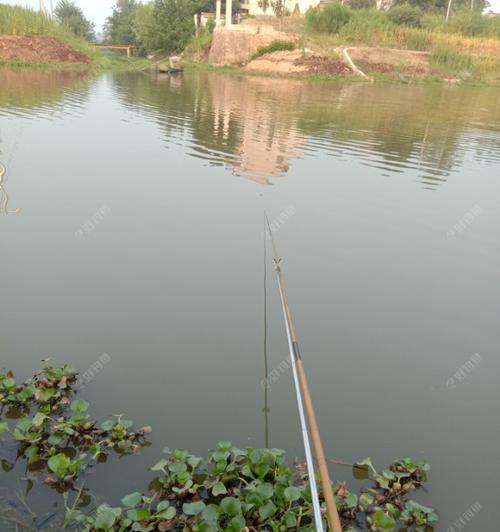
[[237, 46], [370, 61], [39, 49]]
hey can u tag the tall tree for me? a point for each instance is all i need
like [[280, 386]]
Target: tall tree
[[169, 25], [119, 26], [70, 15]]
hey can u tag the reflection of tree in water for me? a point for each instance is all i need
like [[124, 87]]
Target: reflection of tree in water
[[35, 88], [257, 125], [421, 127]]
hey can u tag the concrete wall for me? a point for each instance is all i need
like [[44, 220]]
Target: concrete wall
[[236, 45]]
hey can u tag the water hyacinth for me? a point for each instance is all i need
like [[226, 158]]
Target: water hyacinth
[[230, 490]]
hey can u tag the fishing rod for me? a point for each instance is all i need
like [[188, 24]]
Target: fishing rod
[[305, 405]]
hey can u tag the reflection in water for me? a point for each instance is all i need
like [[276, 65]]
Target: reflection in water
[[4, 198], [43, 91], [258, 126], [25, 94]]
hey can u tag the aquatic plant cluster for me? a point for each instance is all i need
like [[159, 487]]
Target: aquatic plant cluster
[[231, 490], [59, 438]]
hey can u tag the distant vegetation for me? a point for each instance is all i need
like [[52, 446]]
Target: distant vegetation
[[156, 26], [358, 23], [70, 15], [467, 45]]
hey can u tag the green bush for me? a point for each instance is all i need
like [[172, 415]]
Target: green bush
[[464, 22], [366, 25], [405, 15], [275, 46], [470, 24], [328, 20]]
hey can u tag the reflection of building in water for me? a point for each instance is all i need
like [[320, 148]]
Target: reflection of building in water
[[264, 110], [4, 198], [257, 125]]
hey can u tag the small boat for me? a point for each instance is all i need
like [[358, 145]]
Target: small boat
[[173, 68], [170, 71]]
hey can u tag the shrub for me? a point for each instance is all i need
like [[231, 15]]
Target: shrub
[[464, 22], [367, 25], [418, 40], [468, 23], [328, 20], [405, 15], [275, 46]]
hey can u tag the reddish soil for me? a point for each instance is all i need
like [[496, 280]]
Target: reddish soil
[[387, 60], [39, 49], [324, 65]]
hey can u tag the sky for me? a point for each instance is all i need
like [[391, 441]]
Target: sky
[[98, 10]]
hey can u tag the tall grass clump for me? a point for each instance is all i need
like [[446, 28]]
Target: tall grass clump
[[16, 20], [418, 39], [370, 26], [450, 60], [327, 20], [405, 15]]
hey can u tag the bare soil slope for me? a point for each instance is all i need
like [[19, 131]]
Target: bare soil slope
[[39, 49]]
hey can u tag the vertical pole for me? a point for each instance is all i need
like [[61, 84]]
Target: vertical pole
[[229, 13], [217, 12], [448, 10]]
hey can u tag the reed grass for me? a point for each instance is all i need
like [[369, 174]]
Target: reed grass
[[16, 20]]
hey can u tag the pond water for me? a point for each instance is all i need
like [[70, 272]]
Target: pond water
[[131, 226]]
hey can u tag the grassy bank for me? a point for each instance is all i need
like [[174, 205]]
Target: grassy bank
[[466, 48], [18, 21]]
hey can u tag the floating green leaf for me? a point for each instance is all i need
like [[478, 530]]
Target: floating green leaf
[[230, 506], [59, 464], [265, 490], [193, 508], [267, 511], [132, 500], [219, 489], [292, 493], [383, 522]]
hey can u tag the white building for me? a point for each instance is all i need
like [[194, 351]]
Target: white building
[[255, 7]]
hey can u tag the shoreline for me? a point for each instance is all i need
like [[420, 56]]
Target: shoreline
[[332, 78]]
